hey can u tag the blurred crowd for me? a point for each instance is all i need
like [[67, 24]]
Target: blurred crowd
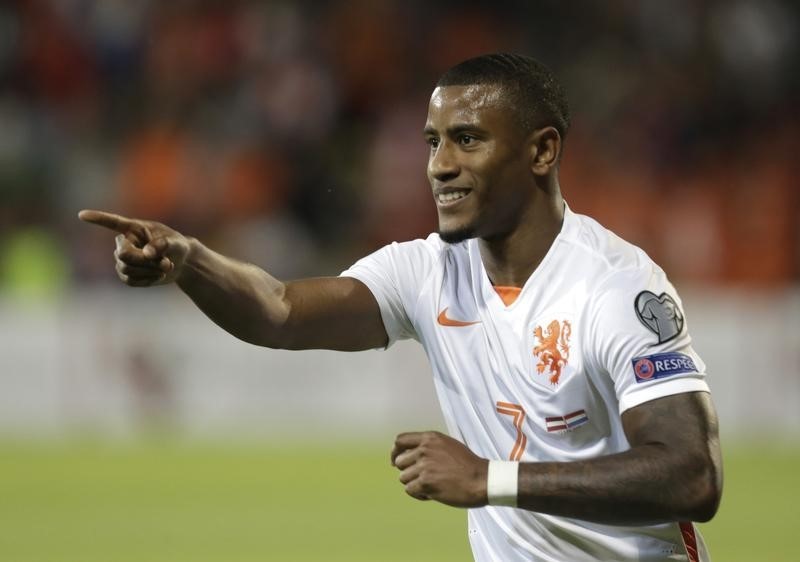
[[288, 133]]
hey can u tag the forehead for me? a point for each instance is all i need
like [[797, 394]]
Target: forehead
[[472, 103]]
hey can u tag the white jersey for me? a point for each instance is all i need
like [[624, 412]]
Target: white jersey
[[597, 329]]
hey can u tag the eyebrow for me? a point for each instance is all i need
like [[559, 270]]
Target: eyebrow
[[454, 130]]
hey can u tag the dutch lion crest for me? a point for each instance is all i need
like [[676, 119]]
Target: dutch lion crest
[[553, 348]]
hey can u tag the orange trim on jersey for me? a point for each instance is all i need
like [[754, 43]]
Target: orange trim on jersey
[[689, 540], [507, 294]]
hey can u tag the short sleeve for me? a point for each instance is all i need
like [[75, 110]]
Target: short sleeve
[[639, 337], [395, 274]]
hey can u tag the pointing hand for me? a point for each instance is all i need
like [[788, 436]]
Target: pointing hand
[[148, 253]]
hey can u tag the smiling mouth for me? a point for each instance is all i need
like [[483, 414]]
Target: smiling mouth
[[451, 196]]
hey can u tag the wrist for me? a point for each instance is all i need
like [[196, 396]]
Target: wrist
[[191, 259], [502, 483]]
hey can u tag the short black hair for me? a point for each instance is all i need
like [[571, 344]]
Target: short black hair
[[532, 88]]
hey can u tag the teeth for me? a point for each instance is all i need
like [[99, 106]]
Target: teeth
[[452, 196]]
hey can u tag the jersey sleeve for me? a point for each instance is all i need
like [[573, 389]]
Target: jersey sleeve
[[640, 339], [395, 274]]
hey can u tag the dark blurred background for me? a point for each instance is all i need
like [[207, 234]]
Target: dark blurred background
[[289, 133]]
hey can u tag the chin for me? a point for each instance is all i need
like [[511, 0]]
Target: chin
[[456, 235]]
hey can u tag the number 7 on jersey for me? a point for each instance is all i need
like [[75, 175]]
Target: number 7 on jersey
[[518, 416]]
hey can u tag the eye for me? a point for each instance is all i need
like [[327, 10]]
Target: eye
[[466, 139], [433, 142]]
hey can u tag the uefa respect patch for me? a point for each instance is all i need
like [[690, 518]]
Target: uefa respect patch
[[662, 365]]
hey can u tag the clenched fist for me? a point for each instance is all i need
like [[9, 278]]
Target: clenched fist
[[437, 467]]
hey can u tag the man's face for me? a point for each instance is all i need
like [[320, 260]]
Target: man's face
[[479, 162]]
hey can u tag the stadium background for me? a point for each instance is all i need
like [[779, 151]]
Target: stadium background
[[288, 134]]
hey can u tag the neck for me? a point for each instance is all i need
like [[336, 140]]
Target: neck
[[510, 259]]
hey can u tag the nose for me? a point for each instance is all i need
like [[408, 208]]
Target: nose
[[442, 163]]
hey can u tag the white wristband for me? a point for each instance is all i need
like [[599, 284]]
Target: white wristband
[[501, 483]]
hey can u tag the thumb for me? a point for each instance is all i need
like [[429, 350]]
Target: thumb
[[156, 248]]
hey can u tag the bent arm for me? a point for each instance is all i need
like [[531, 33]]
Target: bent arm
[[337, 313], [672, 472]]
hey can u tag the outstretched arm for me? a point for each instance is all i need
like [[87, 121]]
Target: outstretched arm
[[323, 313], [672, 472]]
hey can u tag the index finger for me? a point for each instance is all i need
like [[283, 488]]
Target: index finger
[[405, 441], [115, 222]]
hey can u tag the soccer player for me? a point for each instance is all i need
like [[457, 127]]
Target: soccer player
[[580, 422]]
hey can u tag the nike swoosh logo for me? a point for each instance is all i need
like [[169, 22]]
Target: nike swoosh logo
[[445, 321]]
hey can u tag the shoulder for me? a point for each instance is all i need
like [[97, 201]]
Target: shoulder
[[607, 259], [419, 255], [408, 262], [624, 287], [431, 247], [603, 246]]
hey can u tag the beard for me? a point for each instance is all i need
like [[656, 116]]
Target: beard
[[457, 235]]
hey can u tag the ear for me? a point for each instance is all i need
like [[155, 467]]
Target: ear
[[545, 149]]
